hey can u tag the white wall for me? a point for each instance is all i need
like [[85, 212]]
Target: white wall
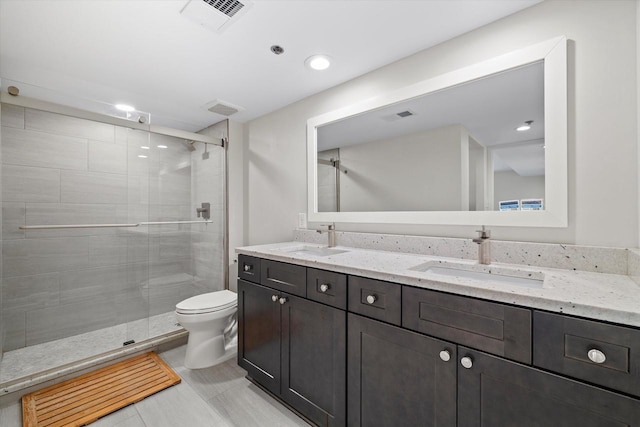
[[236, 197], [603, 158], [417, 172]]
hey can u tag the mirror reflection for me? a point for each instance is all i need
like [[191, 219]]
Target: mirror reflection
[[477, 146]]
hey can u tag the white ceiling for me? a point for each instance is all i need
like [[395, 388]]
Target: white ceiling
[[89, 53], [490, 108]]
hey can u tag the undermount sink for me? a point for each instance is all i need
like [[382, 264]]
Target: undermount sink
[[484, 273], [315, 251]]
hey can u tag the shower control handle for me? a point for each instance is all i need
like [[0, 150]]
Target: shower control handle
[[204, 211]]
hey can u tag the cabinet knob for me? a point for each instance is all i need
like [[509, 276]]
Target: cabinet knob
[[247, 267], [324, 287], [445, 355], [371, 299], [466, 362], [596, 356], [274, 298], [282, 300]]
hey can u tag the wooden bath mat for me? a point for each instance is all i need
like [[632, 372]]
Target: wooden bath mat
[[84, 399]]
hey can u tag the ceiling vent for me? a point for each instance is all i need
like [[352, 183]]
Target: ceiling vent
[[215, 15], [406, 113], [398, 116], [223, 108]]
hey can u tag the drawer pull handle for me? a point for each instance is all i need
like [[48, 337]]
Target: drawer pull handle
[[283, 300], [466, 362], [324, 287], [247, 267], [371, 299], [596, 356], [445, 355], [274, 298]]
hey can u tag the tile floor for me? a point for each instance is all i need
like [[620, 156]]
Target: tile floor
[[219, 396]]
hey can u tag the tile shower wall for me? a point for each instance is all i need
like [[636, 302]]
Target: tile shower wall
[[63, 170]]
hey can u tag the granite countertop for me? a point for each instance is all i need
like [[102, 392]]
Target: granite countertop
[[609, 297]]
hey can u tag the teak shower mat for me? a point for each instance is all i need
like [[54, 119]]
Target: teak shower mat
[[84, 399]]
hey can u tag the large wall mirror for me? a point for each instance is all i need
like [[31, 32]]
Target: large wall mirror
[[486, 144]]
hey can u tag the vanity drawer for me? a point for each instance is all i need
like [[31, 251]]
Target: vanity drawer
[[495, 328], [375, 298], [562, 344], [249, 268], [327, 287], [284, 277]]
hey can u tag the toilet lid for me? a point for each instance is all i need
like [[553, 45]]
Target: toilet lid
[[206, 303]]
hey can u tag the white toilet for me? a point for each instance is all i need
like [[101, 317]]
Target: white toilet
[[212, 324]]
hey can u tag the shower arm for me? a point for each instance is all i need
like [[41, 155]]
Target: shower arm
[[55, 227]]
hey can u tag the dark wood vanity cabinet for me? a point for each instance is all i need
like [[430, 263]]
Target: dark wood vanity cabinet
[[292, 346], [397, 377], [407, 356], [496, 392]]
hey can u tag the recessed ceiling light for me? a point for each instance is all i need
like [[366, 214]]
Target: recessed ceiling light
[[142, 156], [318, 62], [162, 146], [144, 147], [125, 108], [526, 126]]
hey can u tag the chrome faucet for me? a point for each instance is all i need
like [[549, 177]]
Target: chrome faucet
[[331, 234], [484, 248]]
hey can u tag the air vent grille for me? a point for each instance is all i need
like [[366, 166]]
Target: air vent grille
[[223, 109], [405, 113], [228, 7]]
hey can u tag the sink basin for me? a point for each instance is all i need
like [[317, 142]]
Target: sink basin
[[314, 251], [484, 273]]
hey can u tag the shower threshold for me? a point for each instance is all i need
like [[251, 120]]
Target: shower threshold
[[31, 362]]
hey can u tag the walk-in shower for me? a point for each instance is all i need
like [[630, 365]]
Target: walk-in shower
[[103, 233]]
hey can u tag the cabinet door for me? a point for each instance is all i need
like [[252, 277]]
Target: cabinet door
[[496, 392], [398, 377], [314, 360], [259, 334]]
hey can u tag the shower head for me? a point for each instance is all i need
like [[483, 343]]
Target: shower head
[[191, 145]]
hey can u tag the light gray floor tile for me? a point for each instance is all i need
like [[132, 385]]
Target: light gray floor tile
[[179, 405], [248, 406], [125, 417], [211, 382]]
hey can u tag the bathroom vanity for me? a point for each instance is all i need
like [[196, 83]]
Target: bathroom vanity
[[355, 337]]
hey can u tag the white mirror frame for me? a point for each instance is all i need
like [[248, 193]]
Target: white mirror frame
[[554, 54]]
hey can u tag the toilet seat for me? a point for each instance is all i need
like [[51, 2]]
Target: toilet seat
[[208, 303]]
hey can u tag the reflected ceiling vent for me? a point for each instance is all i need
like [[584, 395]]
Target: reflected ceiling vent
[[215, 15], [398, 116], [223, 108]]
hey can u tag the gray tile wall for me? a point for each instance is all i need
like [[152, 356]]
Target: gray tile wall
[[65, 170]]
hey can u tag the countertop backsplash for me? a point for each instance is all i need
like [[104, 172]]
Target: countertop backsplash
[[549, 255]]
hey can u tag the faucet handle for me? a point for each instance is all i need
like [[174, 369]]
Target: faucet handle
[[330, 227], [484, 234]]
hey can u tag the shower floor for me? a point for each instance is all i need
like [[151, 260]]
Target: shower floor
[[37, 358]]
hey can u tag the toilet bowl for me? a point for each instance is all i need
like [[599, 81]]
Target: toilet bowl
[[211, 322]]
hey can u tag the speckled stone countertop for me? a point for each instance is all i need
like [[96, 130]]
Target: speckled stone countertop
[[601, 296]]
